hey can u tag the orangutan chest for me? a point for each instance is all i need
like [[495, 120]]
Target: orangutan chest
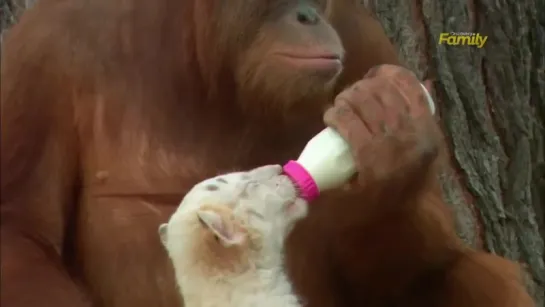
[[122, 258], [127, 193]]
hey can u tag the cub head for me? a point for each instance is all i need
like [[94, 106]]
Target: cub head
[[234, 216]]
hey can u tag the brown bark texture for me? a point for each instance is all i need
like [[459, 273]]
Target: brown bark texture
[[491, 104]]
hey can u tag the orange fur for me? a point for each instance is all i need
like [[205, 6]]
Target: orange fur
[[111, 110], [481, 279], [212, 254]]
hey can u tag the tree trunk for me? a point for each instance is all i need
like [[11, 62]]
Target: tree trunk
[[491, 102]]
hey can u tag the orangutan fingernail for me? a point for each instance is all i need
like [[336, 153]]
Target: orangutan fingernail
[[341, 111], [342, 108]]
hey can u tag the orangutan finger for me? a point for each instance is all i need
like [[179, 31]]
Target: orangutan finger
[[430, 94], [413, 95], [347, 123], [395, 108], [393, 103], [385, 70]]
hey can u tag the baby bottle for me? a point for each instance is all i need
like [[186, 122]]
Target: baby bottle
[[326, 162]]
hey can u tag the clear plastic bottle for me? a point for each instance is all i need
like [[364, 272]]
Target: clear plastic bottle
[[326, 162]]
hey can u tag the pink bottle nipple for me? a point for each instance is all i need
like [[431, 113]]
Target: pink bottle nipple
[[302, 179]]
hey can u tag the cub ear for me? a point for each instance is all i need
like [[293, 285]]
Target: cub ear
[[163, 233], [221, 223]]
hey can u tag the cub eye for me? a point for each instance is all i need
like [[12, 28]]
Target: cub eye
[[256, 214]]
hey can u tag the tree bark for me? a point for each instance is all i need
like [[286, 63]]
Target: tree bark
[[491, 102]]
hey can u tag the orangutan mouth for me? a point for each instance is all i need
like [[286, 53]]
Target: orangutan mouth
[[320, 61]]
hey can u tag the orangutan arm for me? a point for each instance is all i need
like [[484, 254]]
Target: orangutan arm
[[38, 177], [400, 247], [384, 243], [483, 279], [393, 237], [406, 251]]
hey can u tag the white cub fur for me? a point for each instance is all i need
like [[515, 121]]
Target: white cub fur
[[226, 240]]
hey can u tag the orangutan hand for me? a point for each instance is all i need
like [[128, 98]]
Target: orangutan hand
[[386, 119]]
